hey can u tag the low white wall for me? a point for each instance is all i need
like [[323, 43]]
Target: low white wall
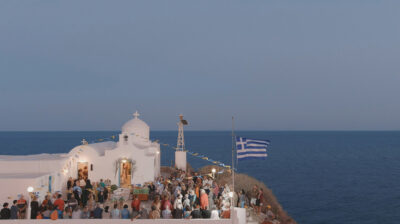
[[238, 217], [105, 221]]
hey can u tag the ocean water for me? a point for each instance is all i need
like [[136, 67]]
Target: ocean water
[[318, 177]]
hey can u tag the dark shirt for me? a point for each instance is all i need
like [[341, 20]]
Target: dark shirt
[[206, 214], [100, 198], [14, 212], [97, 213], [5, 213], [196, 214], [34, 209], [69, 184]]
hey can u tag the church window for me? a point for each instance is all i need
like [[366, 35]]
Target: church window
[[126, 138]]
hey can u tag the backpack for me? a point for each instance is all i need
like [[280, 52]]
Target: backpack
[[54, 215]]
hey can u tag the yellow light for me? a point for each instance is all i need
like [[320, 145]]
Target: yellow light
[[213, 170]]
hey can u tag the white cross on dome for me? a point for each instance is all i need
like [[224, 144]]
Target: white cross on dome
[[136, 114]]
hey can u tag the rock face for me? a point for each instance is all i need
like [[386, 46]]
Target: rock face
[[243, 181]]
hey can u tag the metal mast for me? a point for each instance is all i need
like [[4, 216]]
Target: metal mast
[[180, 145], [233, 159]]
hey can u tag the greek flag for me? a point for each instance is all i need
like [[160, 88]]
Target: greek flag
[[251, 148]]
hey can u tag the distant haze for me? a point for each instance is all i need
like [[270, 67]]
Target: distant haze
[[274, 65]]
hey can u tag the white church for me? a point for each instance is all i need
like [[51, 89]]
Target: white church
[[133, 160]]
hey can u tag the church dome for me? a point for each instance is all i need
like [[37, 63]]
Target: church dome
[[136, 127]]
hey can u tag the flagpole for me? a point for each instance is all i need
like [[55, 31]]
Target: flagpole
[[233, 160]]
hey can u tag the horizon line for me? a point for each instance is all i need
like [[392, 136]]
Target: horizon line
[[217, 130]]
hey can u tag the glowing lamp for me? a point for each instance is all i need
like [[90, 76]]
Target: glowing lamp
[[30, 189]]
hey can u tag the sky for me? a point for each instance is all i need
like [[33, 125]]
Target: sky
[[273, 65]]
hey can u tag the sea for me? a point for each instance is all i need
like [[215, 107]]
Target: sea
[[319, 177]]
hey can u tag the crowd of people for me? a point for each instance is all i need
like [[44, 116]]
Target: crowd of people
[[179, 196]]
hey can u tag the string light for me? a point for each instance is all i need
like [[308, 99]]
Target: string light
[[195, 154]]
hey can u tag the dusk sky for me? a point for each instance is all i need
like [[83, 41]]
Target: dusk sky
[[274, 65]]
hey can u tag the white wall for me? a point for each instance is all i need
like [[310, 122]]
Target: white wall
[[238, 217], [180, 160], [12, 187], [117, 221], [31, 166]]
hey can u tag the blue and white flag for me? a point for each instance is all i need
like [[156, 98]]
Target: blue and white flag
[[251, 148]]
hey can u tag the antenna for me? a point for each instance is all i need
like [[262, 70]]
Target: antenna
[[180, 145]]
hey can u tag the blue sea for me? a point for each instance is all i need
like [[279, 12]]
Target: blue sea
[[319, 177]]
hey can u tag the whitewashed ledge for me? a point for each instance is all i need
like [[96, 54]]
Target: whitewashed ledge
[[111, 221], [238, 217]]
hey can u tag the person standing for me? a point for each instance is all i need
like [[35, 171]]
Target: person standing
[[144, 214], [85, 213], [59, 205], [125, 213], [76, 213], [34, 207], [254, 194], [77, 191], [5, 213], [155, 213], [260, 200], [116, 213], [203, 200], [72, 203], [46, 201], [106, 213], [242, 198], [192, 198], [135, 206], [196, 213], [98, 211], [21, 204], [166, 208], [178, 207], [70, 184], [14, 210]]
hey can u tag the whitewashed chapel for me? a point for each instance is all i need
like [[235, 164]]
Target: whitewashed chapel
[[134, 159]]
